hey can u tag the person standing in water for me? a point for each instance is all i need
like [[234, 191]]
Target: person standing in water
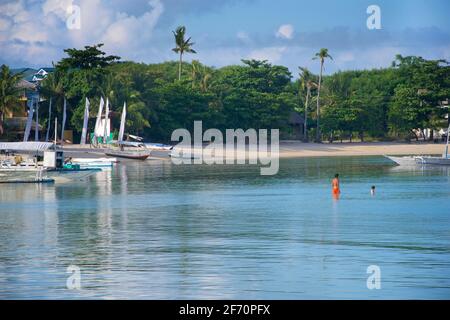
[[372, 190], [335, 186]]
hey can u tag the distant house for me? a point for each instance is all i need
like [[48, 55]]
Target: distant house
[[297, 124], [42, 74], [33, 75], [29, 85]]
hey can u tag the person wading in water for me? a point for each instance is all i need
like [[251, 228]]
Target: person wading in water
[[335, 186]]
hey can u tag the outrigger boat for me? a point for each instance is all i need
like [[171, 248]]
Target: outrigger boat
[[15, 168], [424, 160], [129, 150], [101, 163]]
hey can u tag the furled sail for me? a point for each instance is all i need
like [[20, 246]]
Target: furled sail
[[122, 121], [85, 122], [106, 128], [29, 120], [99, 118]]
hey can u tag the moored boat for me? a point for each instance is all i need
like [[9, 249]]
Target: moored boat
[[129, 150]]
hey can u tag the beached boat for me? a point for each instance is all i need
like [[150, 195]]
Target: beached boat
[[129, 150], [441, 161], [424, 160], [159, 146]]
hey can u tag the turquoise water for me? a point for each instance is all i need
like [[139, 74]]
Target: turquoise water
[[153, 230]]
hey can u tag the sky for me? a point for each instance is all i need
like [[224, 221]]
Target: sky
[[33, 33]]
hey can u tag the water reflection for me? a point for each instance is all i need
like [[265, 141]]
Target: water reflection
[[155, 230]]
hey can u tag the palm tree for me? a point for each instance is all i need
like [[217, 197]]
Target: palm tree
[[200, 74], [321, 55], [182, 46], [53, 87], [306, 82], [9, 93]]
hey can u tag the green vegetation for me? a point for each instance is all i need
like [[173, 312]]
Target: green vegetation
[[9, 93], [376, 104]]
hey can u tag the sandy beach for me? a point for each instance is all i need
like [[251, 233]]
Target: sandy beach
[[292, 149], [298, 149]]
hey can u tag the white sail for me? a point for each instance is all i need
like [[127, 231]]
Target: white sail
[[49, 119], [63, 121], [99, 117], [85, 122], [36, 126], [106, 127], [122, 122], [29, 120]]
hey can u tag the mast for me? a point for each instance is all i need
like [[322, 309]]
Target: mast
[[56, 131], [63, 121], [446, 145], [49, 119], [36, 126]]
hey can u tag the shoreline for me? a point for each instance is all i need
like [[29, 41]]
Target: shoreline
[[295, 149]]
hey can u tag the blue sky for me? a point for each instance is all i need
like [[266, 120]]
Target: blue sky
[[287, 32]]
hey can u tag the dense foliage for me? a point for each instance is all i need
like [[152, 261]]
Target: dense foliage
[[380, 103]]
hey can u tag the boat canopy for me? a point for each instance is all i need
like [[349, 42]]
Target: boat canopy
[[26, 146]]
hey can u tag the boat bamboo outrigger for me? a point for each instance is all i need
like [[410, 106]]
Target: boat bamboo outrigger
[[444, 160]]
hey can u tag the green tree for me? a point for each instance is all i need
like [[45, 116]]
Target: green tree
[[321, 55], [9, 93], [88, 58], [182, 46], [307, 82]]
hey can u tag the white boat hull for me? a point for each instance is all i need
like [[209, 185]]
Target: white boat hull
[[433, 161]]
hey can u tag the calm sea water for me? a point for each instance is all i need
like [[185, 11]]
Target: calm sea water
[[153, 230]]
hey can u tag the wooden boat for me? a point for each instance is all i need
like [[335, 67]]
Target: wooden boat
[[135, 155], [129, 150]]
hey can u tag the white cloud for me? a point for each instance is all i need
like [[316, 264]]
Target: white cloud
[[243, 36], [285, 31], [271, 54], [129, 32], [32, 31]]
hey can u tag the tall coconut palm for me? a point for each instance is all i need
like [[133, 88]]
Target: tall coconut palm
[[306, 82], [9, 93], [321, 55], [182, 46]]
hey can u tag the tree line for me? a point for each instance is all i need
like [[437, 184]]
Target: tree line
[[387, 103]]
